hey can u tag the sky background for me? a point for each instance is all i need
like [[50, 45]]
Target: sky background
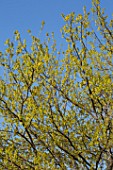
[[28, 14]]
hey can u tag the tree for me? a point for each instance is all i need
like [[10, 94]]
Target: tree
[[57, 107]]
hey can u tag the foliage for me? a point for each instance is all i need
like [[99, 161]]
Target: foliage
[[57, 107]]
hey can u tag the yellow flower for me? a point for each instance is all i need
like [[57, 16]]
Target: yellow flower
[[67, 18], [16, 32], [7, 41], [8, 50], [79, 17], [29, 31], [0, 53]]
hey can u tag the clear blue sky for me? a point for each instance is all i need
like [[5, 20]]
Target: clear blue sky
[[28, 14]]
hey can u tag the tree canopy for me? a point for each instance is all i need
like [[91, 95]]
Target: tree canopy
[[57, 105]]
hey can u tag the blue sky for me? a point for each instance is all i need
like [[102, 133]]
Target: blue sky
[[28, 14]]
